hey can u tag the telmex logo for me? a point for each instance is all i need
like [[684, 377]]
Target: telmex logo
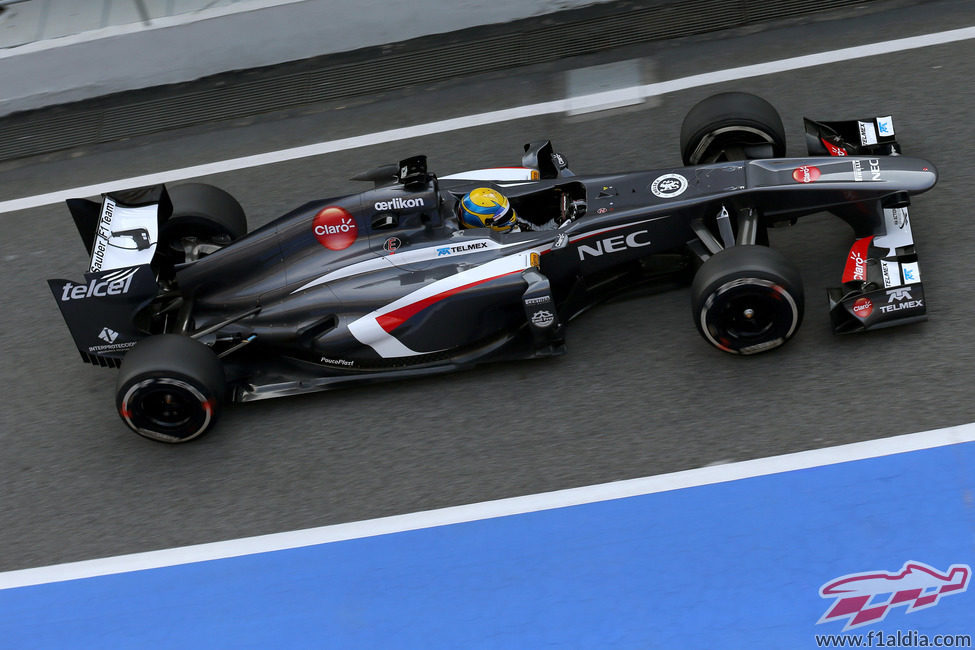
[[903, 293], [864, 598], [615, 244], [462, 248], [901, 299], [399, 204]]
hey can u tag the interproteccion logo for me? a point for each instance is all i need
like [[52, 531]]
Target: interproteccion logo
[[865, 598]]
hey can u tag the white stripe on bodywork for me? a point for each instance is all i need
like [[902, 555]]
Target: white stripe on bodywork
[[493, 174], [407, 257], [373, 264], [368, 331]]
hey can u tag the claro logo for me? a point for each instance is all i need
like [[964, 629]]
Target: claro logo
[[615, 244], [335, 228], [859, 265]]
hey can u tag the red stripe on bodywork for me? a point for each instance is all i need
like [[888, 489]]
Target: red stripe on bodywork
[[397, 317]]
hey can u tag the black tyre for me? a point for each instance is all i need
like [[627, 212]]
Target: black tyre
[[747, 299], [170, 388], [201, 214], [731, 126]]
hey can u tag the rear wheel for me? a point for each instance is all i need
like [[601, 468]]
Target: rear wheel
[[747, 299], [731, 126], [170, 388], [204, 219]]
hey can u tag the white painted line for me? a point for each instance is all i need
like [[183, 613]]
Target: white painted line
[[491, 509], [494, 117]]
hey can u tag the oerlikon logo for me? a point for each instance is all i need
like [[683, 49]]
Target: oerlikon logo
[[864, 598]]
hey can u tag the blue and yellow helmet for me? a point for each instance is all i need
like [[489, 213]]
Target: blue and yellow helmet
[[486, 208]]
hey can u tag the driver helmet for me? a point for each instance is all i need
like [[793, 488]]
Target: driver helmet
[[487, 208]]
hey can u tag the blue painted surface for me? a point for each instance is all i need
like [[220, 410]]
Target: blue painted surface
[[733, 565]]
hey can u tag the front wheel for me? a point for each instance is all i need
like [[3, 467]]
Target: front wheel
[[747, 299], [170, 388], [731, 126]]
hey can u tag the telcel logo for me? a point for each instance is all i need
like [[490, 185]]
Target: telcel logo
[[98, 288], [615, 244]]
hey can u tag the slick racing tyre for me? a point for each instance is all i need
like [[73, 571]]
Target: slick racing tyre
[[731, 126], [202, 214], [170, 388], [747, 299]]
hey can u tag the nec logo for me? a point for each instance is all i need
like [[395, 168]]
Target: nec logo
[[615, 244]]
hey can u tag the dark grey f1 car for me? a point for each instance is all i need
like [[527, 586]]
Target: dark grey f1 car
[[383, 284]]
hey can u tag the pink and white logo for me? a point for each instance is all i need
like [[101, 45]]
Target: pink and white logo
[[864, 598]]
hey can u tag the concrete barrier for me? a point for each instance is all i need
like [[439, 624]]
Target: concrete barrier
[[243, 35]]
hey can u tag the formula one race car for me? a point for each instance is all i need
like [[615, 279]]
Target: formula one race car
[[384, 284]]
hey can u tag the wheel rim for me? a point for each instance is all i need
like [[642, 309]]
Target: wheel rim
[[749, 315], [731, 143], [166, 409], [179, 246]]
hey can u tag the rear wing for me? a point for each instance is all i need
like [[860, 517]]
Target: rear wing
[[121, 235], [881, 281]]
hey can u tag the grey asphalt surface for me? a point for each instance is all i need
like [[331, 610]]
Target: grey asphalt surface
[[638, 394]]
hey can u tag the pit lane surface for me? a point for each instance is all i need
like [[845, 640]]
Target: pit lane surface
[[638, 394]]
